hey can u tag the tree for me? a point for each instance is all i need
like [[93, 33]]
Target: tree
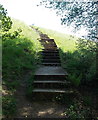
[[5, 21], [76, 13]]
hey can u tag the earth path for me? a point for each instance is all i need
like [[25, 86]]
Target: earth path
[[40, 109]]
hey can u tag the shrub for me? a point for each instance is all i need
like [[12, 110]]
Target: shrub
[[78, 111], [82, 61], [75, 80], [8, 106]]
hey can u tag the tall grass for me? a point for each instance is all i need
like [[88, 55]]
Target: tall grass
[[20, 54]]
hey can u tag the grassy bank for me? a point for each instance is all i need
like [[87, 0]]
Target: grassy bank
[[20, 55], [78, 58], [76, 55], [64, 41]]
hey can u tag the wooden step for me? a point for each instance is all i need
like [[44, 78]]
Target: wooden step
[[50, 77], [48, 43], [50, 54], [53, 91], [46, 39], [50, 57], [52, 85], [50, 46], [51, 81], [51, 64], [51, 60], [50, 51]]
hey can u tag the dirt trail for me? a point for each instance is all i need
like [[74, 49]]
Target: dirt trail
[[43, 109]]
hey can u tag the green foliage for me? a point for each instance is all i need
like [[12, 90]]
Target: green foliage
[[5, 21], [20, 53], [64, 42], [20, 49], [77, 14], [8, 106], [75, 80], [87, 100], [30, 88], [81, 61], [76, 55], [75, 112]]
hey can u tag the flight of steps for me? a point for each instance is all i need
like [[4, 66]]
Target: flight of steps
[[50, 79]]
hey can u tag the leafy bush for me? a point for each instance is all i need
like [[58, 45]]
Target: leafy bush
[[30, 88], [20, 52], [87, 100], [75, 80], [4, 19], [8, 106], [82, 61], [20, 49], [74, 113]]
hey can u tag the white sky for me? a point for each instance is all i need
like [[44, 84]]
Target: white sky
[[27, 11]]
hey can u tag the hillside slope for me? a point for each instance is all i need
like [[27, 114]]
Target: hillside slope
[[20, 55]]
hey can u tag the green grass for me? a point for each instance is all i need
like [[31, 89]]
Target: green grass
[[21, 52], [76, 55], [20, 55], [64, 41], [27, 32]]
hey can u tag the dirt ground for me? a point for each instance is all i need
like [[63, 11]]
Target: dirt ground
[[36, 109]]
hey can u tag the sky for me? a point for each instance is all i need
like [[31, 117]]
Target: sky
[[28, 12]]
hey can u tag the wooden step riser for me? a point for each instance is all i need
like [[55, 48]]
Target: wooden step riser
[[48, 43], [46, 50], [49, 47], [50, 51], [47, 40], [51, 57], [50, 54], [51, 61], [50, 77], [51, 64], [51, 86]]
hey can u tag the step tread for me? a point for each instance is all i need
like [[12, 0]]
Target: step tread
[[50, 50], [51, 81], [50, 58], [51, 63], [53, 90], [44, 39]]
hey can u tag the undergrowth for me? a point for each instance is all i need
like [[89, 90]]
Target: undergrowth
[[20, 54], [78, 56]]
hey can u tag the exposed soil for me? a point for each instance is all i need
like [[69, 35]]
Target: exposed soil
[[35, 109]]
